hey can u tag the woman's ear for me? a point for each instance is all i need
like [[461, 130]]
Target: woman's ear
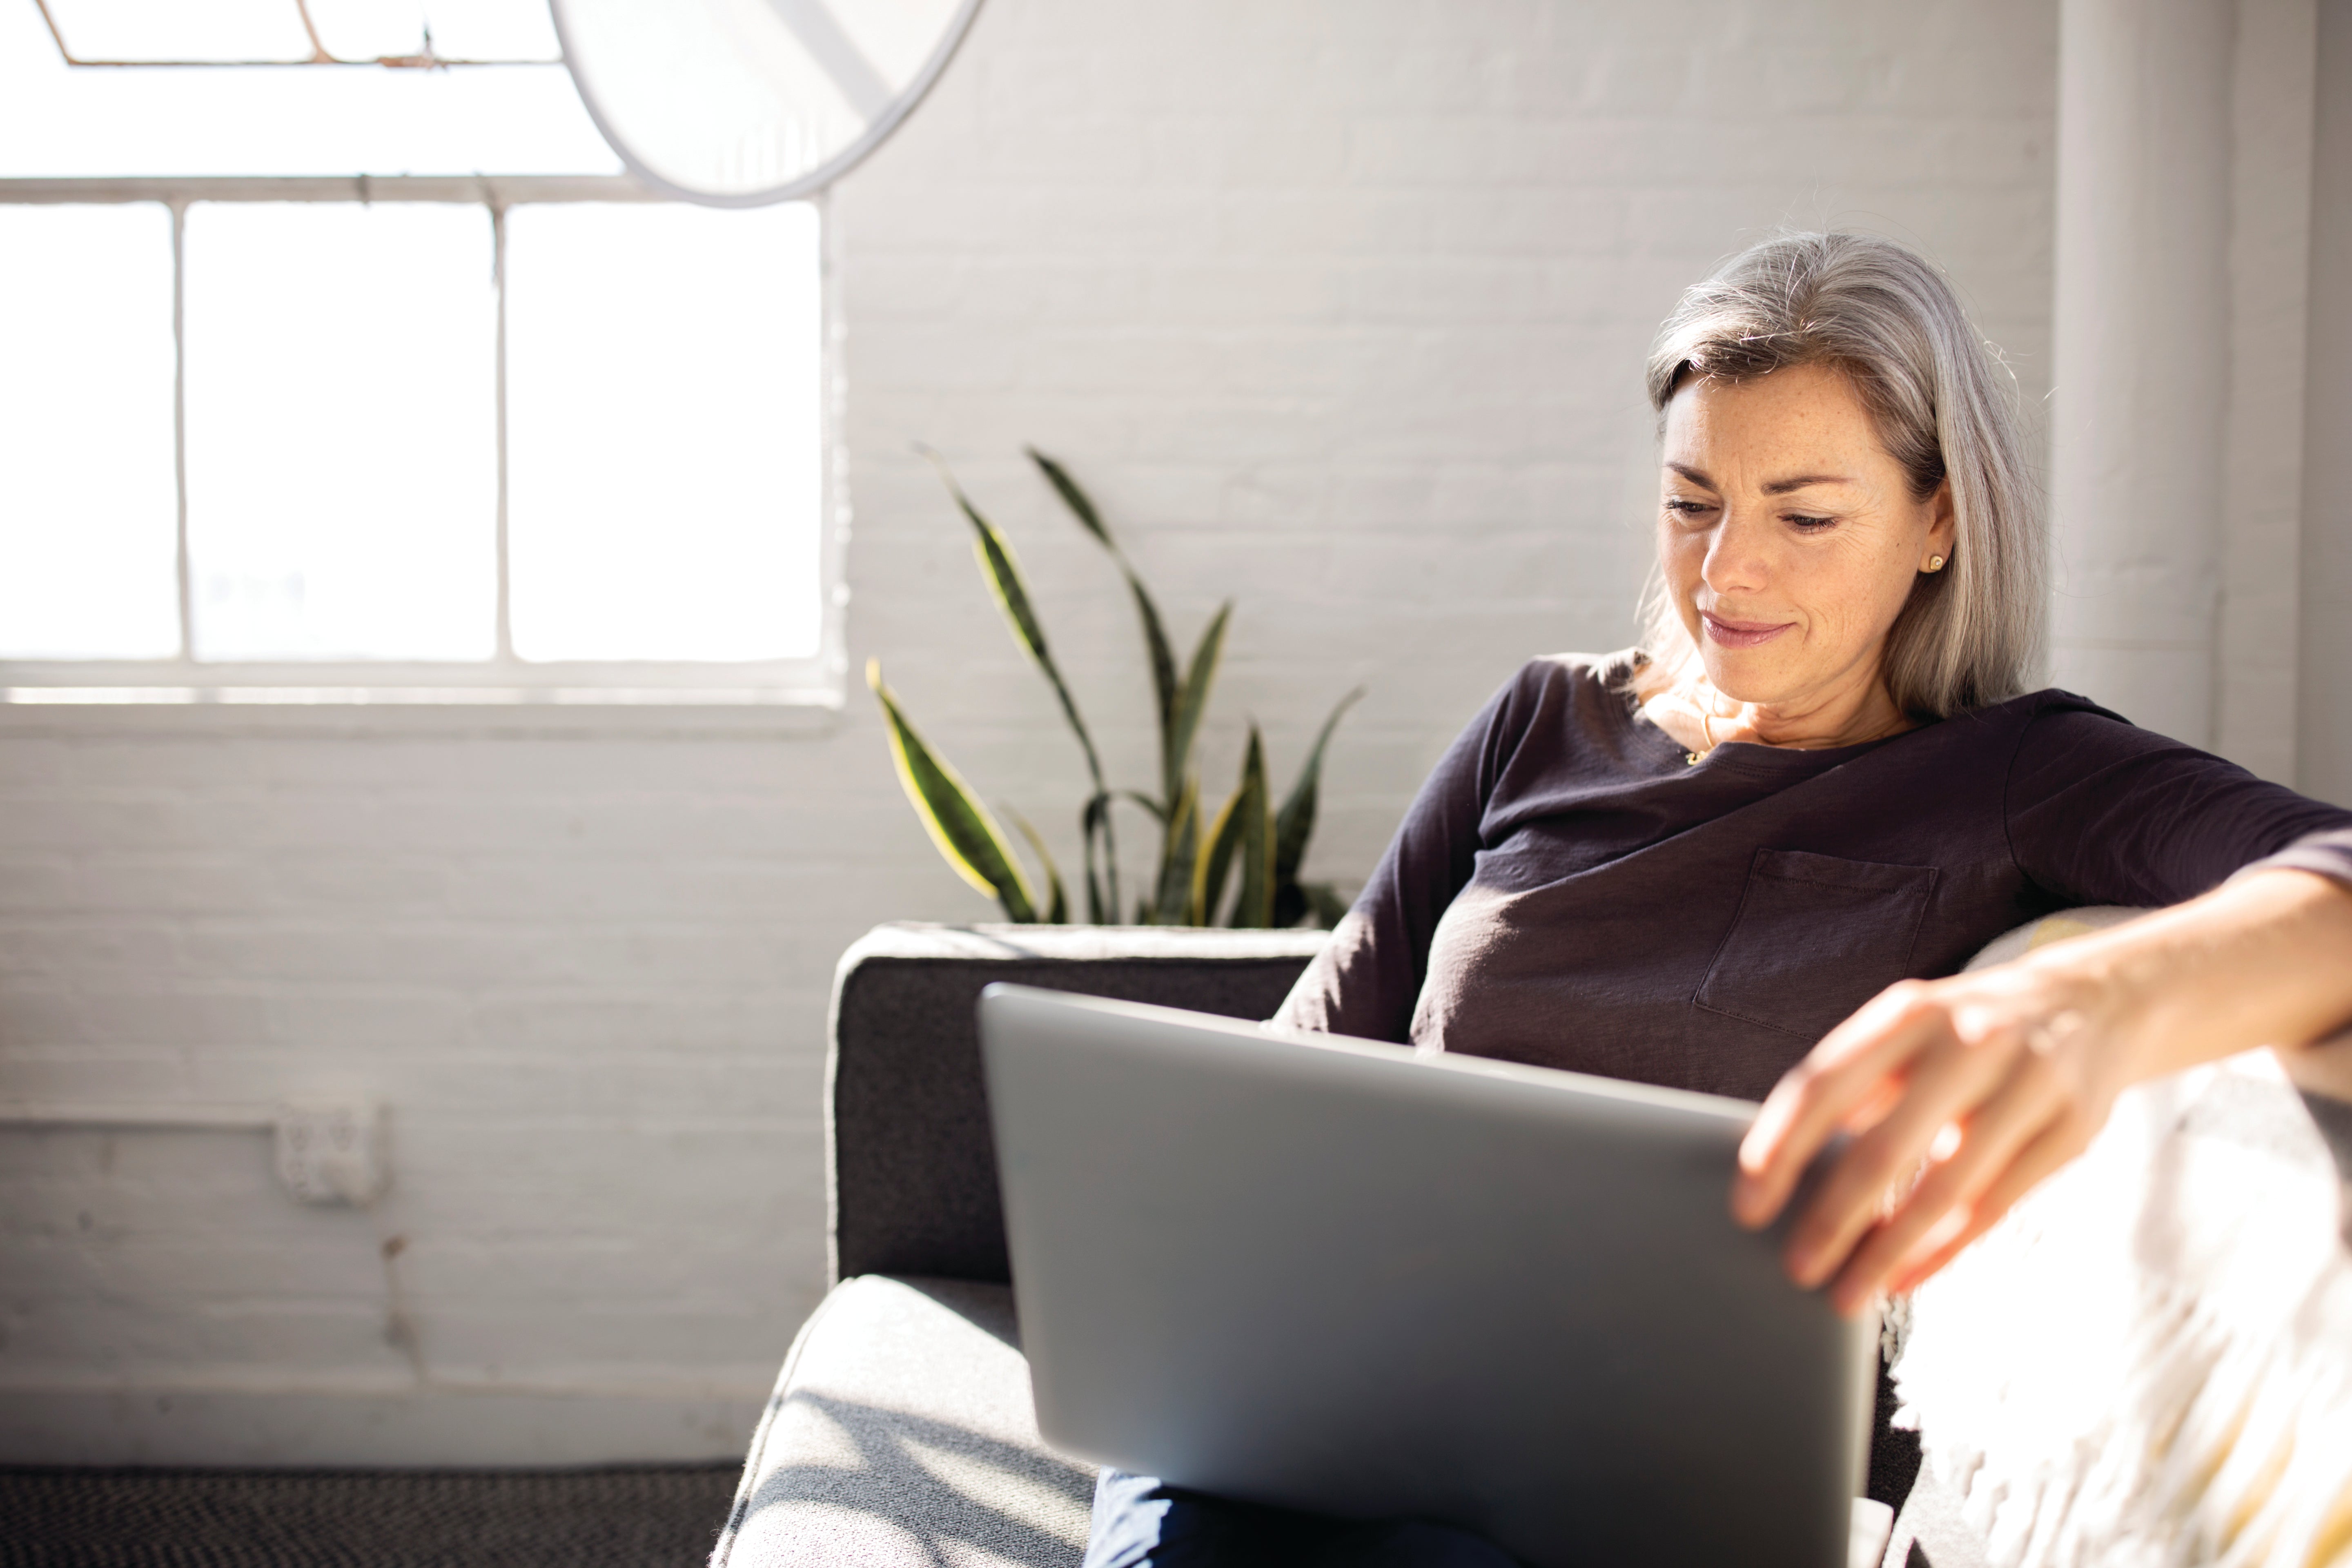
[[1943, 525]]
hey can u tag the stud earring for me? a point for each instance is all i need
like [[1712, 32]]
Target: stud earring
[[1935, 564]]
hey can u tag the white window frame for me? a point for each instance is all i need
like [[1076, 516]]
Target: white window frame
[[502, 680]]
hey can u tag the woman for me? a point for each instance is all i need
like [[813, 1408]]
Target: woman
[[1751, 857]]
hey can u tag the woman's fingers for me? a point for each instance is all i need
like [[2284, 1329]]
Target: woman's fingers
[[1937, 1215], [1821, 1093], [2057, 1143], [1989, 1064], [1949, 1081]]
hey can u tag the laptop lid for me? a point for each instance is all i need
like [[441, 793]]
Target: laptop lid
[[1341, 1275]]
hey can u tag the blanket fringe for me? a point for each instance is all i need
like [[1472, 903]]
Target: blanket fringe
[[2140, 1370]]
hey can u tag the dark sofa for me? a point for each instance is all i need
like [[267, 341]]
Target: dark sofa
[[900, 1431]]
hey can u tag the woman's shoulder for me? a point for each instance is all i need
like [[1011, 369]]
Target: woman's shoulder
[[2069, 718], [2047, 713], [1580, 690], [1559, 706], [1580, 677], [2054, 735], [2051, 701]]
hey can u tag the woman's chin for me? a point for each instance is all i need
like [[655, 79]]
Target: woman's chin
[[1742, 675]]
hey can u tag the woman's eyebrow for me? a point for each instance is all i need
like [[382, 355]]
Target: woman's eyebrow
[[1777, 487]]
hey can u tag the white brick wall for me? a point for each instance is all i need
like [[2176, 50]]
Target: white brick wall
[[1338, 309]]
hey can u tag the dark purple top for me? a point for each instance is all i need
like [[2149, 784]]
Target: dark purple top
[[1567, 889]]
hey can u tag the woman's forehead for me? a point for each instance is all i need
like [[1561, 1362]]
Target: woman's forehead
[[1808, 421]]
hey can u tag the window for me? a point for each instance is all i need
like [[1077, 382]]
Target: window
[[418, 435]]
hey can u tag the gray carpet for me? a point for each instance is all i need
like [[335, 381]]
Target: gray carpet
[[664, 1517]]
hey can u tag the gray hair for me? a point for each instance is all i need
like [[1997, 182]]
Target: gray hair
[[1946, 408]]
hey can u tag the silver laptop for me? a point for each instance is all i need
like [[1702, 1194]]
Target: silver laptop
[[1333, 1275]]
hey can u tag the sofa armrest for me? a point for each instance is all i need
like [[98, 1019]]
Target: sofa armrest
[[912, 1187]]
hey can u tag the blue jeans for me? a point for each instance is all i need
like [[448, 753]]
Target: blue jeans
[[1140, 1523]]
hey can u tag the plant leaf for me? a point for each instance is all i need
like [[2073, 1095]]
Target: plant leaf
[[1253, 905], [1155, 633], [1158, 811], [1179, 846], [1176, 762], [1295, 824], [1095, 819], [966, 836], [1163, 657], [998, 564], [1057, 910], [1216, 858], [1081, 505]]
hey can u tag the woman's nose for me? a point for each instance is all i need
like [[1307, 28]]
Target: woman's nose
[[1736, 556]]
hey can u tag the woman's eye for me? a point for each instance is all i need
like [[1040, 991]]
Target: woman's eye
[[1804, 524], [1677, 506]]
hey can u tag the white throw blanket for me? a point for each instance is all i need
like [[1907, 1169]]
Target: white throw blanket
[[2148, 1362]]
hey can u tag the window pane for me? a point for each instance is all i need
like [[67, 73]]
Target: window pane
[[462, 29], [59, 121], [87, 502], [176, 30], [371, 29], [493, 29], [343, 469], [663, 458]]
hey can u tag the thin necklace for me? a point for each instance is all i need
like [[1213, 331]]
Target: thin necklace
[[1706, 728]]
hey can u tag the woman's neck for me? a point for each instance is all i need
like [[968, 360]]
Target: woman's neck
[[1700, 718], [1849, 720]]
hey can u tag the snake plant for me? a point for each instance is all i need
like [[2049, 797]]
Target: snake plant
[[1247, 840]]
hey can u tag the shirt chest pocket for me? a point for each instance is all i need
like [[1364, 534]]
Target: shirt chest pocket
[[1815, 938]]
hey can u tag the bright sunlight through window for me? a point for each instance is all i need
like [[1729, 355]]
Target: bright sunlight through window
[[343, 431], [88, 504], [386, 423], [660, 406]]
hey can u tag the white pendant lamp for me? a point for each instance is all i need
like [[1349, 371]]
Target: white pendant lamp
[[739, 102]]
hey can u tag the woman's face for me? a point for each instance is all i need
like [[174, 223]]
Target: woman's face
[[1788, 536]]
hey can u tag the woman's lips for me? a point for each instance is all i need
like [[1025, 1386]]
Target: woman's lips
[[1742, 633]]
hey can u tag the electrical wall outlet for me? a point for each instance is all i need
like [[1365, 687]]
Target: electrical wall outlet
[[334, 1151]]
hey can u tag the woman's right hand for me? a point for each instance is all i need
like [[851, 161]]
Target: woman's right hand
[[1964, 1093]]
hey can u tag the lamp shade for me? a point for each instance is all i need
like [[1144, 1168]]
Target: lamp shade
[[739, 103]]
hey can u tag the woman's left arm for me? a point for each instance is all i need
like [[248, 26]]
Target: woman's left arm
[[1963, 1093]]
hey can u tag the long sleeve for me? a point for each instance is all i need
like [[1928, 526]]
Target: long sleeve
[[2101, 812], [1367, 981]]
